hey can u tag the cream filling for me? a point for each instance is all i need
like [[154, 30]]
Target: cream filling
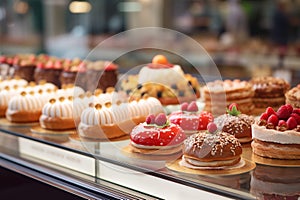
[[140, 146], [271, 135]]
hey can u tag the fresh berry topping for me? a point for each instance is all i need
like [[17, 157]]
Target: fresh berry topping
[[270, 111], [297, 110], [273, 119], [264, 116], [233, 110], [160, 119], [282, 123], [192, 107], [297, 117], [290, 108], [291, 123], [212, 127], [150, 119], [204, 119], [184, 106], [283, 112], [40, 65], [160, 59]]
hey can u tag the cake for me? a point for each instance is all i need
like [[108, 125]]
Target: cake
[[5, 96], [268, 91], [211, 148], [24, 67], [48, 72], [236, 123], [164, 81], [220, 94], [61, 114], [277, 134], [293, 96], [12, 83], [190, 119], [4, 67], [269, 182], [157, 136]]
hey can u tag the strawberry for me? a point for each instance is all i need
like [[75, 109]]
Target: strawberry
[[290, 108], [270, 111], [204, 119], [283, 112], [184, 106], [297, 117], [264, 116], [273, 119], [297, 110], [232, 105], [161, 119], [292, 123], [150, 119], [282, 123], [192, 107], [212, 127]]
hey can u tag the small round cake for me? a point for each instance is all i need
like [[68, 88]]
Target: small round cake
[[189, 119], [269, 91], [277, 134], [212, 148], [24, 67], [74, 73], [293, 96], [49, 72], [218, 95], [157, 136], [236, 124]]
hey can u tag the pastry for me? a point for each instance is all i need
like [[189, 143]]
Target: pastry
[[269, 91], [236, 124], [293, 97], [13, 83], [157, 136], [189, 119], [277, 134], [220, 94], [211, 148], [24, 67], [164, 81]]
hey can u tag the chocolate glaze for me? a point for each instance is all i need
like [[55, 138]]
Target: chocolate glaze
[[48, 75]]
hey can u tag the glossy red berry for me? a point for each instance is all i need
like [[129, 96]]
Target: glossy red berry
[[290, 108], [184, 106], [297, 117], [150, 119], [282, 123], [264, 116], [283, 112], [212, 127], [192, 107], [270, 111], [291, 123], [273, 119], [160, 119]]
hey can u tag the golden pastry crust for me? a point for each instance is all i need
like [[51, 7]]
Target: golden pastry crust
[[293, 96], [57, 123], [2, 111], [156, 152], [23, 116]]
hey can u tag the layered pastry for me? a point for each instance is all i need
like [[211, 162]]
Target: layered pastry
[[101, 74], [218, 95], [277, 134], [157, 136], [212, 148], [190, 119], [24, 67], [236, 123], [26, 107], [293, 96], [269, 91], [61, 114], [275, 183], [164, 81]]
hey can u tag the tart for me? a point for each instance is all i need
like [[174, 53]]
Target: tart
[[293, 96]]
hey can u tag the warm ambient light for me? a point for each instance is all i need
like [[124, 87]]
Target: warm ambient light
[[21, 7], [80, 7]]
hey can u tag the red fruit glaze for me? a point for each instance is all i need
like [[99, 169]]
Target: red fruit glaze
[[270, 111], [152, 136], [283, 112], [150, 119], [160, 119], [191, 121], [297, 117], [184, 106], [192, 107], [291, 123], [273, 119], [212, 127], [264, 116]]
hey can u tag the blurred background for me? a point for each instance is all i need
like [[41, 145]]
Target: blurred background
[[243, 37]]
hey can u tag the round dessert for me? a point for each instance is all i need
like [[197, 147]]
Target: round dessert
[[212, 148], [293, 96], [59, 114], [189, 119], [5, 96], [277, 134], [24, 67], [164, 81], [218, 95], [269, 91], [49, 72], [236, 124], [157, 136], [275, 182]]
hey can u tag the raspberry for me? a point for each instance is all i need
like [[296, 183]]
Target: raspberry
[[150, 119], [289, 107], [160, 119], [184, 106], [270, 111], [212, 127], [273, 119], [297, 110], [283, 112], [282, 123], [292, 123], [297, 117], [264, 116], [192, 107]]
